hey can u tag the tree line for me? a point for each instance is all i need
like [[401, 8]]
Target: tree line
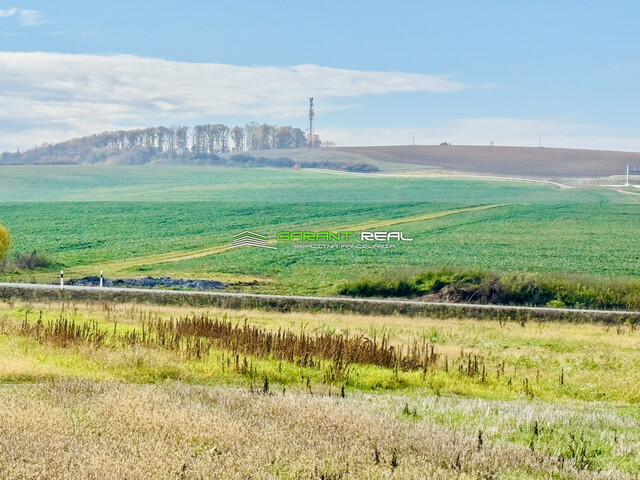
[[208, 139], [175, 142]]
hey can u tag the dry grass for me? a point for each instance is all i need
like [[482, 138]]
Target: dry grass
[[77, 429], [489, 358], [498, 412]]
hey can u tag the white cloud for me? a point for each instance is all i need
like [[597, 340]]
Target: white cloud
[[500, 131], [53, 96], [26, 18], [8, 12]]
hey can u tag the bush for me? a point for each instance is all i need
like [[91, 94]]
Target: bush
[[556, 304], [25, 261], [5, 241]]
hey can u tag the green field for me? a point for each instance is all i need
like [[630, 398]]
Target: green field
[[88, 218]]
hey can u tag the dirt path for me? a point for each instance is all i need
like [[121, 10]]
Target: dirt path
[[416, 218], [115, 267]]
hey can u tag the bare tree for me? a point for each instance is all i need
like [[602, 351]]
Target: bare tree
[[224, 138], [198, 139], [251, 135], [238, 138], [265, 136], [283, 137], [182, 140]]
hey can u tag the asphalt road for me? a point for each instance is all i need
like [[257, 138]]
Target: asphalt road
[[346, 301]]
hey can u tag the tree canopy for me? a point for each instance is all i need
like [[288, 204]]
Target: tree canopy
[[175, 144]]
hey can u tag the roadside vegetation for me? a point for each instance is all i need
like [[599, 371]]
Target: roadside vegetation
[[458, 398], [18, 261], [178, 430], [485, 287], [492, 358]]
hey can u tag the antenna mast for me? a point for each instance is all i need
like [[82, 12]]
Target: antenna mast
[[311, 117]]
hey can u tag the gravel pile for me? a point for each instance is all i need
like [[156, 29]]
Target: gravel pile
[[149, 282]]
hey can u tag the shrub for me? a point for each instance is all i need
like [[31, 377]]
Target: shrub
[[474, 286], [5, 240], [25, 261], [556, 304]]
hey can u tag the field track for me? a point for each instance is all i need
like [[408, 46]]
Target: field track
[[442, 175], [37, 292], [114, 267]]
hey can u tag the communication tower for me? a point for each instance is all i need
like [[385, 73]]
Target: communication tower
[[312, 114]]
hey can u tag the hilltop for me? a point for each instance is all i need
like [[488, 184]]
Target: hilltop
[[285, 147], [518, 161], [215, 145]]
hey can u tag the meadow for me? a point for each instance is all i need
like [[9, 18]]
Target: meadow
[[210, 392]]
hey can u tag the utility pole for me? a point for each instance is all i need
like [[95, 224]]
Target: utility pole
[[539, 141], [627, 176], [311, 117]]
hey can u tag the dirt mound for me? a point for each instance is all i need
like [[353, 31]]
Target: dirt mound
[[150, 282]]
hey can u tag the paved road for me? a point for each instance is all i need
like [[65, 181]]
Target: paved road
[[459, 176], [321, 300]]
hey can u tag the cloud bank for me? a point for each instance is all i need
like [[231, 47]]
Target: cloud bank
[[54, 96]]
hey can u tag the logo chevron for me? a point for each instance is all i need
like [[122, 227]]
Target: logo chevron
[[250, 239]]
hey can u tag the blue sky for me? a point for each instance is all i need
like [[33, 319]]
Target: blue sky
[[463, 71]]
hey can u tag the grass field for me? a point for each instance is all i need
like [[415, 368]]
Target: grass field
[[131, 221], [552, 400]]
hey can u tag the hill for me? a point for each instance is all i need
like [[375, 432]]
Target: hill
[[518, 161], [213, 145], [283, 147]]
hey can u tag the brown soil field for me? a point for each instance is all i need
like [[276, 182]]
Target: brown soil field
[[519, 161]]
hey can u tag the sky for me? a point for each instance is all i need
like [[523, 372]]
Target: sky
[[556, 74]]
